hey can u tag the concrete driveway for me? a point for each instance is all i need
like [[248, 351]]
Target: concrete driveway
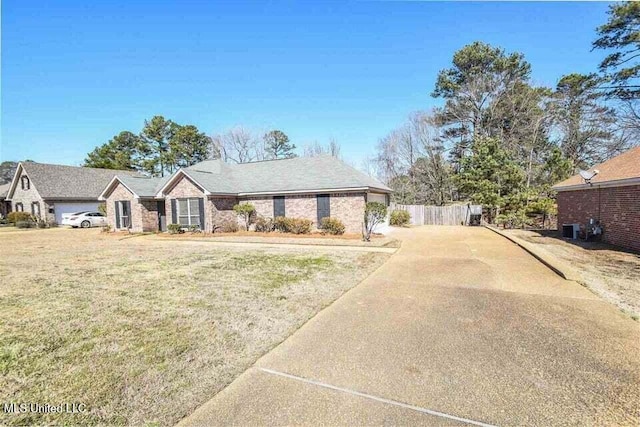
[[459, 327]]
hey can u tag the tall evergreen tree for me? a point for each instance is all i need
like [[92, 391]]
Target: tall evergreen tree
[[490, 177], [278, 146], [157, 158], [620, 36], [120, 152]]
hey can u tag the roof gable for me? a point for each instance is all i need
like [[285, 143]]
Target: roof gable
[[66, 182], [621, 168]]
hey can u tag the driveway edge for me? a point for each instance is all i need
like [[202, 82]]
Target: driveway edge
[[548, 259]]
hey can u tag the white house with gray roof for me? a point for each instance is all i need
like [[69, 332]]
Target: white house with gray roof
[[203, 195], [47, 191]]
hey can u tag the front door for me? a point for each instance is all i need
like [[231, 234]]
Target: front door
[[162, 216]]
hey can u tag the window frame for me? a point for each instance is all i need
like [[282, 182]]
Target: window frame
[[22, 182], [122, 204], [19, 207], [189, 215], [284, 206], [35, 205]]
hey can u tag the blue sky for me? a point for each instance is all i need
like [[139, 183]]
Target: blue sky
[[75, 73]]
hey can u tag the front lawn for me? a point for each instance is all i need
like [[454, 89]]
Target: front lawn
[[143, 332]]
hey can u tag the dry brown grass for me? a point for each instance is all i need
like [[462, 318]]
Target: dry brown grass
[[143, 332], [608, 271]]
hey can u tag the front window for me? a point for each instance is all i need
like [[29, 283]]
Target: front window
[[188, 212], [19, 207], [125, 215], [25, 182], [35, 209]]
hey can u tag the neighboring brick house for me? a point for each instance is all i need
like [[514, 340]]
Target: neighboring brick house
[[48, 191], [203, 195], [611, 197]]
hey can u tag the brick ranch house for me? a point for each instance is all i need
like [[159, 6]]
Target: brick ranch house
[[47, 191], [611, 197], [203, 195]]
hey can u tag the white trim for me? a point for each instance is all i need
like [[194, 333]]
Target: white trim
[[115, 178], [317, 191], [12, 187], [161, 194], [605, 184]]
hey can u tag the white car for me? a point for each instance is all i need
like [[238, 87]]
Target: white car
[[84, 219]]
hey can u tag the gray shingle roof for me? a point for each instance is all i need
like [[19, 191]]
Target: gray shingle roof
[[143, 186], [4, 189], [70, 182], [285, 175]]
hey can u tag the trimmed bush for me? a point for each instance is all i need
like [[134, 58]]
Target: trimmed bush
[[399, 218], [25, 224], [247, 212], [264, 225], [293, 225], [174, 229], [332, 226], [229, 226], [15, 217], [301, 226], [374, 214], [282, 224]]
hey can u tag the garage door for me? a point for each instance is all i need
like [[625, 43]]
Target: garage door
[[62, 208]]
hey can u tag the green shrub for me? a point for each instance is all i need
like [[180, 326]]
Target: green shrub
[[293, 225], [229, 226], [15, 217], [264, 225], [332, 226], [282, 224], [26, 224], [301, 226], [174, 229], [42, 223], [247, 212], [400, 218]]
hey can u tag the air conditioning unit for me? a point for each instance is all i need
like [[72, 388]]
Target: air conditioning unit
[[570, 231]]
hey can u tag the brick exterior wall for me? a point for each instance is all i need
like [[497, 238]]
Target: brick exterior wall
[[347, 207], [617, 208], [263, 205], [27, 197], [144, 213], [221, 210]]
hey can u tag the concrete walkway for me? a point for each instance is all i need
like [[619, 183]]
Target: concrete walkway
[[459, 327]]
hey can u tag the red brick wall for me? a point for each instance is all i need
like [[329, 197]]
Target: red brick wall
[[617, 208]]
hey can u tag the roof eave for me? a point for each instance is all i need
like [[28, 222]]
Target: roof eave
[[313, 191], [14, 181], [170, 182], [104, 195], [603, 184]]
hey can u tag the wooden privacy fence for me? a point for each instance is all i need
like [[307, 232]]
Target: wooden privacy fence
[[440, 215]]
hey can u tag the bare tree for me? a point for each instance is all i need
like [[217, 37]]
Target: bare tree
[[332, 148], [411, 160], [239, 145]]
